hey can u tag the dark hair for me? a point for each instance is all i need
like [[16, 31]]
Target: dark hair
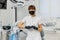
[[31, 7]]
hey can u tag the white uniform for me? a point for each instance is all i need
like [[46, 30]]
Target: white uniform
[[32, 21]]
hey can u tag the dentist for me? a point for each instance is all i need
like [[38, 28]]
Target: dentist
[[33, 24]]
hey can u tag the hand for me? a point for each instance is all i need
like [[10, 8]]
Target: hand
[[39, 29], [20, 25]]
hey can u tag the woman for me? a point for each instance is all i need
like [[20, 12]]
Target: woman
[[31, 22]]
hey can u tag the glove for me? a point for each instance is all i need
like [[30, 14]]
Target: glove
[[34, 27], [21, 30], [28, 27]]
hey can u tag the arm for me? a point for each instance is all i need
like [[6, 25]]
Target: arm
[[21, 23], [40, 24], [39, 27]]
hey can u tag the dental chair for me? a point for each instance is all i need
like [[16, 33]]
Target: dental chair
[[17, 34]]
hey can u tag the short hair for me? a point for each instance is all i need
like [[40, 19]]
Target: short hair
[[31, 7]]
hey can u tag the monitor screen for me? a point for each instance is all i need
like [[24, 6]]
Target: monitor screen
[[3, 4]]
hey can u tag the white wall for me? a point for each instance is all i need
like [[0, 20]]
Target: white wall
[[45, 8], [50, 8], [55, 8]]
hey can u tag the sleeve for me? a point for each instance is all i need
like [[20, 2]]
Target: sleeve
[[24, 20], [40, 20]]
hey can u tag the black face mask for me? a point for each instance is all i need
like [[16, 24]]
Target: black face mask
[[31, 12]]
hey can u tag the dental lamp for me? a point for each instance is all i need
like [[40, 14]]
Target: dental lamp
[[17, 3]]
